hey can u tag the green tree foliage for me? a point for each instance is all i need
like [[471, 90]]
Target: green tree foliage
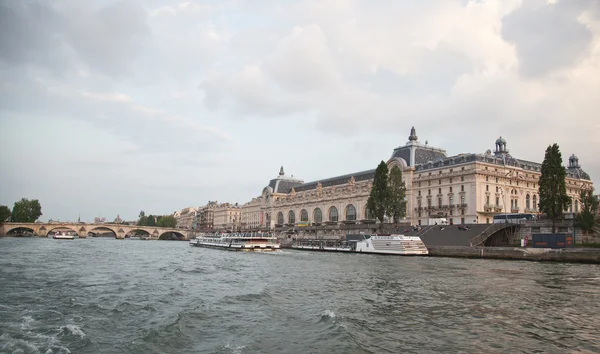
[[552, 187], [378, 199], [4, 213], [589, 206], [396, 205], [149, 220], [142, 214], [166, 221], [26, 210]]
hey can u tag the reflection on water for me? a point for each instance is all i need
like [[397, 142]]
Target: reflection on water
[[112, 296]]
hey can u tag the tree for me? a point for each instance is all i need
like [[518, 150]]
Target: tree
[[142, 214], [396, 205], [589, 206], [26, 210], [167, 221], [378, 199], [552, 187], [4, 213], [142, 221]]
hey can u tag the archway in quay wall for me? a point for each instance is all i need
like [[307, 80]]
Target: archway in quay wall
[[172, 236], [21, 231], [102, 231]]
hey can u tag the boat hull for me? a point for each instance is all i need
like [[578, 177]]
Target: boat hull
[[399, 245], [240, 248], [63, 237]]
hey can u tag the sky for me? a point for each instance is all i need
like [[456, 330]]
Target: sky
[[113, 107]]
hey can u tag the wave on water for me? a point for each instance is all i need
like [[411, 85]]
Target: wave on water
[[71, 329], [327, 315]]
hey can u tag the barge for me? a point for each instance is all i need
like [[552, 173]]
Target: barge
[[238, 242], [376, 244]]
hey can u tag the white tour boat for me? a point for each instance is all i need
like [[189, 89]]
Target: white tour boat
[[61, 235], [381, 244], [238, 242]]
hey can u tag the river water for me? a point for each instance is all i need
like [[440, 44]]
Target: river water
[[127, 296]]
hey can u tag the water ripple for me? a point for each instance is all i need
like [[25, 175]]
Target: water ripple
[[109, 296]]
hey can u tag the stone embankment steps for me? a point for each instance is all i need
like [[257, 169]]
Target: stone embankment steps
[[450, 235]]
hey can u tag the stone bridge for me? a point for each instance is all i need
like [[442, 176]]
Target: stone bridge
[[82, 230]]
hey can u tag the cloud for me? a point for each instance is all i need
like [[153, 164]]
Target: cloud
[[548, 35], [189, 93]]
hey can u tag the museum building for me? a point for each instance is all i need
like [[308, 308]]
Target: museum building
[[465, 188]]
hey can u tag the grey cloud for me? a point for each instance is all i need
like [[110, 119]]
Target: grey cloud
[[106, 39], [32, 33], [548, 36]]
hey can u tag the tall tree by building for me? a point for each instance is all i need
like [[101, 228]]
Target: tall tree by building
[[552, 186], [589, 206], [4, 213], [167, 221], [396, 206], [378, 199], [26, 210]]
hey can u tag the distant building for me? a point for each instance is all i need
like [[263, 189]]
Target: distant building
[[99, 220], [206, 216], [186, 218], [250, 214], [465, 188], [227, 217], [118, 220]]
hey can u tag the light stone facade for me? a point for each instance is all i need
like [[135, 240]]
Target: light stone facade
[[250, 214], [186, 218], [465, 188], [227, 217]]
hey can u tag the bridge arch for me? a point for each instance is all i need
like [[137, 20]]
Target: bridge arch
[[13, 230], [171, 235], [59, 227], [137, 230], [102, 228]]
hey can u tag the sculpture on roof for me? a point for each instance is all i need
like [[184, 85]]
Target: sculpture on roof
[[413, 135], [281, 173]]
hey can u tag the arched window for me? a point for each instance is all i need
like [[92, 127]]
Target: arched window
[[268, 217], [303, 215], [527, 202], [291, 217], [318, 216], [333, 214], [280, 218], [350, 212], [535, 202]]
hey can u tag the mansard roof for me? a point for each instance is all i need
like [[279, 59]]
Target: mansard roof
[[339, 180]]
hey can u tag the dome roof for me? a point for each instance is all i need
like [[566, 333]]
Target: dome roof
[[573, 157], [500, 140]]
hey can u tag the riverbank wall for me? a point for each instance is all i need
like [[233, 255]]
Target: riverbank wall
[[569, 255]]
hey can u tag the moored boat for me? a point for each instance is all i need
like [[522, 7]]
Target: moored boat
[[378, 244], [249, 242]]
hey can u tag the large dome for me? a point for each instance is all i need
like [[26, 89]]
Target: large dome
[[500, 140]]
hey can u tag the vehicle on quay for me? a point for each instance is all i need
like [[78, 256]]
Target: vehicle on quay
[[513, 218], [361, 243], [247, 242]]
